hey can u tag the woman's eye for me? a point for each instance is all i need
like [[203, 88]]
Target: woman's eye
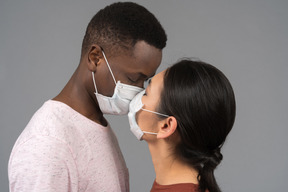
[[146, 83], [145, 92]]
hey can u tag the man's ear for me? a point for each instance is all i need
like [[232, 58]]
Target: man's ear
[[94, 57], [167, 127]]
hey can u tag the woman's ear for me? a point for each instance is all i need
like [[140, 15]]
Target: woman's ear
[[94, 57], [167, 127]]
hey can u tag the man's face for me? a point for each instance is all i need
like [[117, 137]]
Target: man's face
[[131, 69]]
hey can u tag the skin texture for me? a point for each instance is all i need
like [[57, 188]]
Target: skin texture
[[168, 168], [127, 66]]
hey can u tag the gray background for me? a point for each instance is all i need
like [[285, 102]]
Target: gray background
[[40, 45]]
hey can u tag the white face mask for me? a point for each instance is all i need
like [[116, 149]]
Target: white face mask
[[135, 105], [118, 104]]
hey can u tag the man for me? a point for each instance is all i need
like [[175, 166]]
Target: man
[[68, 145]]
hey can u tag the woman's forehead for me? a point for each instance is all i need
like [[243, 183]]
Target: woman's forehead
[[157, 81]]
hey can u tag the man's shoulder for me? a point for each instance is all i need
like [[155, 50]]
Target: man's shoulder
[[44, 122]]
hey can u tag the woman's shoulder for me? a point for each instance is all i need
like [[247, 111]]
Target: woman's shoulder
[[183, 187]]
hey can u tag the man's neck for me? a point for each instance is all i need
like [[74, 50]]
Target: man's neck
[[169, 169], [75, 95]]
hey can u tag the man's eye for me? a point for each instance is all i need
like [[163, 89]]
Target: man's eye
[[131, 80]]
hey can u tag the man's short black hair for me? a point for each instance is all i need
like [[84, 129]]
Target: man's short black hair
[[121, 25]]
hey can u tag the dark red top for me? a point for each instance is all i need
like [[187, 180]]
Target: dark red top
[[183, 187]]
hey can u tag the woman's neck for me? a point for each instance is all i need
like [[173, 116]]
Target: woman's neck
[[168, 168]]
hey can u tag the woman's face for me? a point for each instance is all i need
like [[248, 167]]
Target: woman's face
[[148, 121]]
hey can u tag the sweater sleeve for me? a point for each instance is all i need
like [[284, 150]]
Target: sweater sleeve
[[42, 164]]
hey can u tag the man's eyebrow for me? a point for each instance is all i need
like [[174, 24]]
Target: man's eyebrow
[[146, 76]]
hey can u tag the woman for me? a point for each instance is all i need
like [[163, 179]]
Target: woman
[[184, 115]]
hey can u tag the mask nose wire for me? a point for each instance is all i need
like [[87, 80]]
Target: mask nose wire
[[109, 67]]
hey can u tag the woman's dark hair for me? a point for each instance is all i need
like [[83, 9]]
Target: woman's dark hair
[[202, 100], [121, 25]]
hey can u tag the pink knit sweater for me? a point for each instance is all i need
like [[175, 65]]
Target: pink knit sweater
[[61, 150]]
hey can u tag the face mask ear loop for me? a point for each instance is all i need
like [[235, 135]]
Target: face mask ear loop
[[109, 67], [94, 81], [155, 112], [150, 132]]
